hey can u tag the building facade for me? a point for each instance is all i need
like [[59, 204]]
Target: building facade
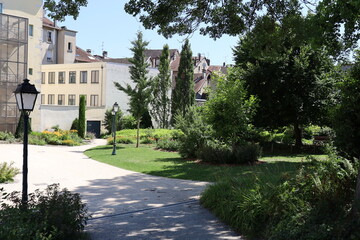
[[20, 56]]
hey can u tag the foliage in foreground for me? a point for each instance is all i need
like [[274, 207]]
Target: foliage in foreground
[[315, 204], [50, 215], [7, 172], [7, 136]]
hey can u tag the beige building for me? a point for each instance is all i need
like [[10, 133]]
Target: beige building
[[63, 84], [20, 56]]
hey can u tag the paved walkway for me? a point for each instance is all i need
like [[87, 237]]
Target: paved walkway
[[124, 204]]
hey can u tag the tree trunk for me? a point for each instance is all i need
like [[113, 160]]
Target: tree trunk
[[138, 133], [298, 135]]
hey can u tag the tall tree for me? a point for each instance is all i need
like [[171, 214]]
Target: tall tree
[[160, 103], [183, 95], [288, 76], [82, 120], [140, 95]]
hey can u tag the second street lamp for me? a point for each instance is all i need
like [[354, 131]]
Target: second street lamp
[[25, 95], [113, 112]]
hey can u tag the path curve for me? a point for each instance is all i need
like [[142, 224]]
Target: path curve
[[124, 204]]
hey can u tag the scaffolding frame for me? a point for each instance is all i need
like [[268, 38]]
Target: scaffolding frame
[[13, 66]]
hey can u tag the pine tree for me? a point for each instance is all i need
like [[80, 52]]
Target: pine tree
[[183, 95], [161, 86], [140, 95]]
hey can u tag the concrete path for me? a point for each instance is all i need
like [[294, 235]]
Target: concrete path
[[124, 204]]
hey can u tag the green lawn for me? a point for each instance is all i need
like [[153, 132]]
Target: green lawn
[[169, 164]]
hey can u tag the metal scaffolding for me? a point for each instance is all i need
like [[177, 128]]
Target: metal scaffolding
[[13, 66]]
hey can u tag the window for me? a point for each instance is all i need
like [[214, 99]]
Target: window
[[49, 55], [30, 71], [42, 78], [51, 78], [72, 77], [94, 100], [51, 99], [61, 99], [49, 37], [71, 100], [42, 98], [84, 97], [1, 7], [69, 47], [83, 77], [31, 30], [61, 77], [95, 76]]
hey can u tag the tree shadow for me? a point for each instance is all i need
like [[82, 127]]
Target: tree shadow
[[138, 206]]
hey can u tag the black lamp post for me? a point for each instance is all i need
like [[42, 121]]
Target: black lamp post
[[25, 95], [113, 112]]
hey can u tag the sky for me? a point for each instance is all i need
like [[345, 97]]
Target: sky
[[104, 25]]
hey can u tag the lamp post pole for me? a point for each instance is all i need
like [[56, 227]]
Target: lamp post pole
[[113, 112], [114, 132], [25, 95], [25, 160]]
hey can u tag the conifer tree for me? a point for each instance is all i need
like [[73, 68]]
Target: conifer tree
[[160, 101], [140, 95], [183, 95], [82, 120]]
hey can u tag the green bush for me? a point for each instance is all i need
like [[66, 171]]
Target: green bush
[[7, 136], [147, 140], [168, 144], [248, 153], [109, 119], [75, 124], [314, 205], [50, 215], [128, 122], [195, 132], [215, 152], [7, 172]]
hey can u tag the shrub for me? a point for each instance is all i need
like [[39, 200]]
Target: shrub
[[75, 124], [7, 172], [7, 136], [168, 144], [314, 205], [128, 122], [248, 153], [53, 214], [147, 140], [216, 152], [121, 140], [107, 123], [90, 135], [195, 132]]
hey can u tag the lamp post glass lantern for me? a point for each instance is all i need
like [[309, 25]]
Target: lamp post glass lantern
[[25, 95], [113, 112]]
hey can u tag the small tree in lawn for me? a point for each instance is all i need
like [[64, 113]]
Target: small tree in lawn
[[82, 120], [183, 95], [140, 95], [160, 100]]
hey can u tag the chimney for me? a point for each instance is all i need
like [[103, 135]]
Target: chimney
[[88, 51], [199, 56], [105, 53]]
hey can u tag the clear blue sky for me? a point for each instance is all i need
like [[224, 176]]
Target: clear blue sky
[[105, 25]]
